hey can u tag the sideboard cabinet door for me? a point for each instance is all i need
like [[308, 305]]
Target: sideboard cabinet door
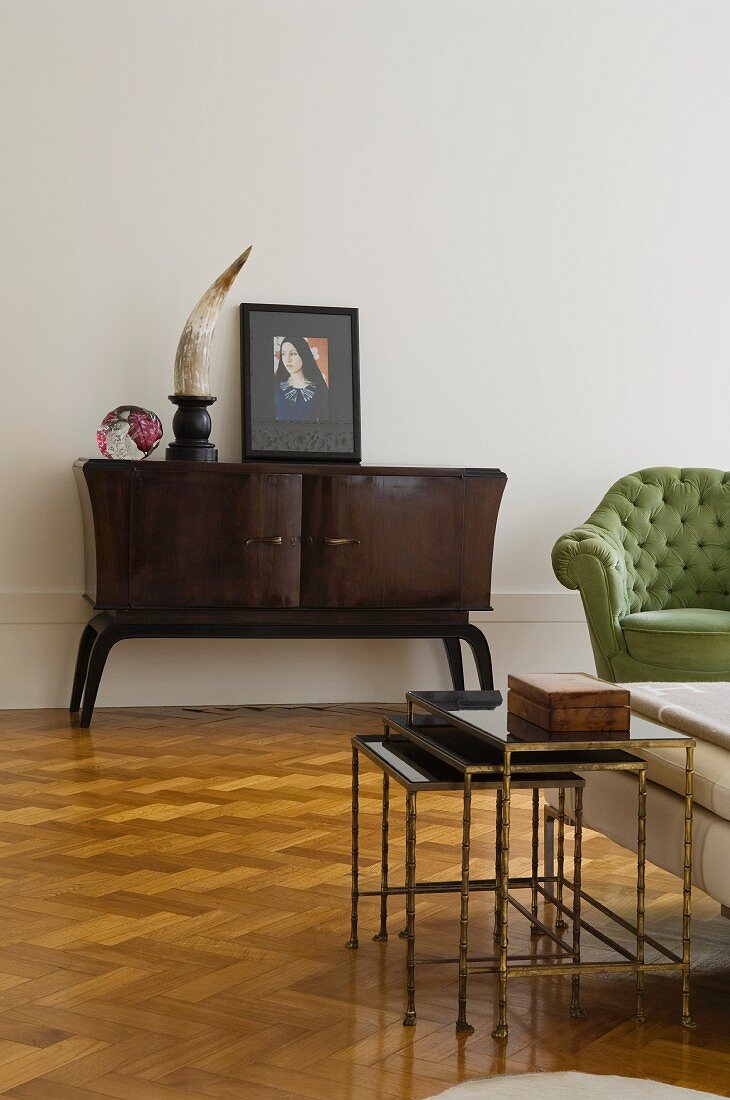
[[200, 539], [390, 541]]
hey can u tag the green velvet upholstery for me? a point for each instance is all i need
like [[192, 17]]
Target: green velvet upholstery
[[653, 568]]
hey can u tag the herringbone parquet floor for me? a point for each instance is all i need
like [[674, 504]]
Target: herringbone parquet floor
[[174, 900]]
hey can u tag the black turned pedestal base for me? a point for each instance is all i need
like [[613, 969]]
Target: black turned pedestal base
[[191, 425], [104, 631]]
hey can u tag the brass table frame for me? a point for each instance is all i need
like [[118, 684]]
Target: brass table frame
[[365, 744], [589, 755]]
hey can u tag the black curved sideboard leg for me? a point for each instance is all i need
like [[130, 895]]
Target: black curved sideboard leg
[[482, 657], [86, 643], [102, 646], [456, 665], [89, 635]]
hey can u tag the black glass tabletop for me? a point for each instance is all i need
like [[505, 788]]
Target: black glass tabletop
[[485, 714], [470, 751]]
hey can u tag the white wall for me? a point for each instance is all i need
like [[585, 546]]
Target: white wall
[[527, 199]]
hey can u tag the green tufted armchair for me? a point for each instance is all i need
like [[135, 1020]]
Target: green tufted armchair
[[653, 568]]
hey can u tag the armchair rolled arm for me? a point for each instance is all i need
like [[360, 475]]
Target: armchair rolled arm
[[593, 561]]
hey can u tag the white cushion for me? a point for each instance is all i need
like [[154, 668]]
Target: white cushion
[[610, 807], [711, 786]]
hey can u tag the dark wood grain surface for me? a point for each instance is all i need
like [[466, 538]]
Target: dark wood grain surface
[[104, 492], [199, 540], [406, 548], [482, 498], [188, 536]]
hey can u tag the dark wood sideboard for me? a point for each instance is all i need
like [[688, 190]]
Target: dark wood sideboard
[[267, 550]]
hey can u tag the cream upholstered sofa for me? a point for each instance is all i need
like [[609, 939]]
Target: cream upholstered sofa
[[609, 800]]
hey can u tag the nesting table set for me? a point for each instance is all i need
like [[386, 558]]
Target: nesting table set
[[467, 741]]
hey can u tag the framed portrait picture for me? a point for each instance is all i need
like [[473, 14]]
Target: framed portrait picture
[[300, 383]]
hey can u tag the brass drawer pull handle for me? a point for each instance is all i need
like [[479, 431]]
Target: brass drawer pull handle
[[273, 540], [341, 542]]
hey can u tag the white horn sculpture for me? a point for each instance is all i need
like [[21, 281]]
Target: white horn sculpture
[[192, 360]]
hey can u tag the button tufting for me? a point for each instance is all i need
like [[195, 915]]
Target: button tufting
[[666, 569]]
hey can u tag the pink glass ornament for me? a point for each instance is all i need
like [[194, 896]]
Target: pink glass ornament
[[129, 432]]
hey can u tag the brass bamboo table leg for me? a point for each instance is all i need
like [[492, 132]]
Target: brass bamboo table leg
[[462, 1025], [382, 935], [500, 1031], [575, 1008], [535, 930], [410, 1016], [640, 897], [687, 1020], [352, 942], [497, 935], [560, 921]]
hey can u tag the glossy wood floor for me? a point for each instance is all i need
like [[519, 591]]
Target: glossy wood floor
[[174, 901]]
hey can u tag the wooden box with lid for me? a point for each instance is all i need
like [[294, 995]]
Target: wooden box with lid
[[570, 702]]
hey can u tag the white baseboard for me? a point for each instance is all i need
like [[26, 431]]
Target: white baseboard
[[39, 633], [532, 607]]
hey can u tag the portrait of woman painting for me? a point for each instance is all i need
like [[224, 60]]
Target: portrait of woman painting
[[300, 378], [300, 396]]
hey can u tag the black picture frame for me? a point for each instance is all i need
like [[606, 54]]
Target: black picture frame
[[320, 423]]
